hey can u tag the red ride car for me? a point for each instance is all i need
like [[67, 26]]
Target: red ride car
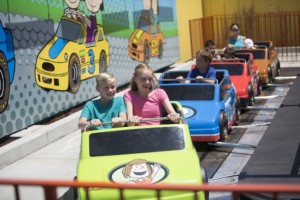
[[244, 75]]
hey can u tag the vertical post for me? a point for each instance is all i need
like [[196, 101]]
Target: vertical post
[[50, 192]]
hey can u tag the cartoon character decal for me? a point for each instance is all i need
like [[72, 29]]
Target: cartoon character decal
[[147, 40], [7, 65], [139, 171], [78, 51]]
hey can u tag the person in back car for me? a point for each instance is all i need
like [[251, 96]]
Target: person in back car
[[202, 72], [236, 40], [210, 47]]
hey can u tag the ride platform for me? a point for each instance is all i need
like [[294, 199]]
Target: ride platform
[[277, 156]]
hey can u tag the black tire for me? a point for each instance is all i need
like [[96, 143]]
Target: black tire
[[223, 126], [146, 53], [74, 74], [270, 75], [278, 68], [237, 110], [4, 83], [204, 180], [102, 62], [160, 50], [250, 95], [259, 87]]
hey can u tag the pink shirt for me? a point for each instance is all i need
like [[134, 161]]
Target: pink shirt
[[147, 107]]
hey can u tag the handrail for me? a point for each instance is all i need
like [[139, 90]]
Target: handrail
[[126, 121], [188, 79], [49, 187]]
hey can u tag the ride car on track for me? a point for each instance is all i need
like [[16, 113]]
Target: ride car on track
[[244, 76], [143, 44], [209, 109], [153, 154], [265, 57], [7, 65], [67, 58]]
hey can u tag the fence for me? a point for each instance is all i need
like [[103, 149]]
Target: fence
[[283, 29], [50, 188]]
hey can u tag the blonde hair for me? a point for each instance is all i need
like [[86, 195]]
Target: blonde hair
[[138, 69], [104, 78]]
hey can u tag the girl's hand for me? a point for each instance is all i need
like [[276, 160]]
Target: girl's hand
[[96, 122], [134, 120], [174, 117]]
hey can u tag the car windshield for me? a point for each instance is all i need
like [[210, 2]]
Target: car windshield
[[233, 69], [68, 30], [190, 91], [136, 141], [257, 53]]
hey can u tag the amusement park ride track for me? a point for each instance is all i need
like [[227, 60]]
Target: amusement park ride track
[[211, 157]]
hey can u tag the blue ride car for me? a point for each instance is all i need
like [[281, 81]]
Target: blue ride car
[[209, 109], [7, 65]]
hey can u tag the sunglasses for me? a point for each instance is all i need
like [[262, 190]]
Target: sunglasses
[[235, 30]]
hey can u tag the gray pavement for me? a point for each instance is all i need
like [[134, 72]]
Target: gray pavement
[[51, 152]]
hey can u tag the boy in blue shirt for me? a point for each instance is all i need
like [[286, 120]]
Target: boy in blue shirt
[[106, 109], [202, 72]]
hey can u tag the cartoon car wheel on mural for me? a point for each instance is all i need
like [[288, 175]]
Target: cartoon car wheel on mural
[[7, 65], [78, 51], [146, 41]]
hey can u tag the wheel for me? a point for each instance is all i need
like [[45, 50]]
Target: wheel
[[270, 75], [160, 53], [237, 109], [74, 74], [146, 53], [259, 87], [223, 126], [204, 180], [250, 95], [4, 83], [102, 62], [278, 68]]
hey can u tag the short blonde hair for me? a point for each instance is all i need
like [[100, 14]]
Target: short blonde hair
[[104, 78]]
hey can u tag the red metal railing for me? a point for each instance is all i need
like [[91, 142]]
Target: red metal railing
[[50, 187], [283, 29]]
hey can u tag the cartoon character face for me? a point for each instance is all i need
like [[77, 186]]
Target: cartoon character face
[[139, 171], [93, 5], [72, 3]]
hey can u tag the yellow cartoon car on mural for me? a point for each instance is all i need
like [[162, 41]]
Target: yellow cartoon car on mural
[[144, 42], [67, 58]]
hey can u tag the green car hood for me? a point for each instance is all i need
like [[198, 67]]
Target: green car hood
[[164, 167]]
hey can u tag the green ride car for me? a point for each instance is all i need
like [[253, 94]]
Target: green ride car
[[154, 154]]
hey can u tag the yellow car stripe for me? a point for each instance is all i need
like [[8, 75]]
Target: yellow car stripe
[[137, 36]]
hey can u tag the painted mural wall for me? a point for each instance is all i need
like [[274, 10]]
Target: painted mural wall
[[50, 50]]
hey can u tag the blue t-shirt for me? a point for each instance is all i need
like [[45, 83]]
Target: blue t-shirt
[[239, 42], [105, 112], [210, 73]]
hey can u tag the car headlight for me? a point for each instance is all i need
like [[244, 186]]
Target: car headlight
[[188, 112], [66, 56]]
